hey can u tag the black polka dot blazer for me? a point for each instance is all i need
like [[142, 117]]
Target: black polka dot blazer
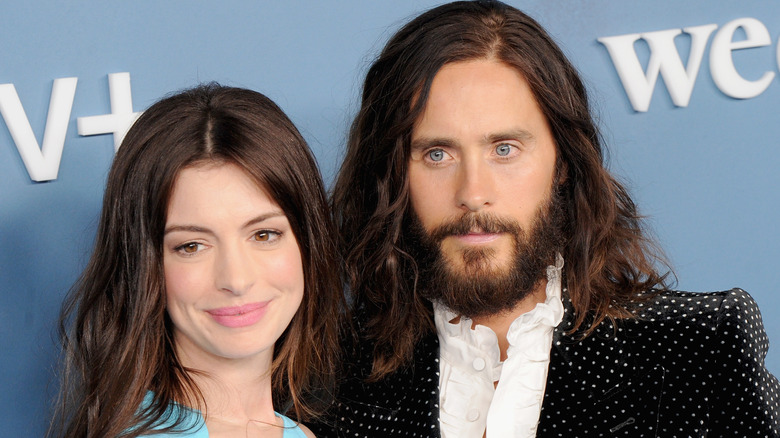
[[690, 365]]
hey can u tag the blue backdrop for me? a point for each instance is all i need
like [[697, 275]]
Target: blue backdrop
[[703, 171]]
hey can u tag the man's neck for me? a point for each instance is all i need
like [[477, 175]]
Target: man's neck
[[500, 322]]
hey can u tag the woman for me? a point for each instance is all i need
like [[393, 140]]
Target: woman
[[212, 296]]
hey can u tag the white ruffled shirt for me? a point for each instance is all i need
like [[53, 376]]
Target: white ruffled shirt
[[470, 403]]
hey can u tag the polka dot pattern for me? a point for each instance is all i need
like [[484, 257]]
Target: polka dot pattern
[[404, 404], [688, 365]]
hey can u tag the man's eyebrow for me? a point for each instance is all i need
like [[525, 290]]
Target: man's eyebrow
[[520, 134], [198, 229], [423, 143], [514, 134]]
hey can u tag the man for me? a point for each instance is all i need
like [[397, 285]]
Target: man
[[502, 281]]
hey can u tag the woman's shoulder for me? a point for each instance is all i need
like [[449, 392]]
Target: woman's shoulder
[[189, 423], [293, 429]]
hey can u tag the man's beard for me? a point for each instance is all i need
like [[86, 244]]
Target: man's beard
[[474, 288]]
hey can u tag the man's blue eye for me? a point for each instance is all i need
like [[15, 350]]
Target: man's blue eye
[[436, 155], [503, 149]]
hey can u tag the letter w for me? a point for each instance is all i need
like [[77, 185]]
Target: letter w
[[664, 58], [42, 163]]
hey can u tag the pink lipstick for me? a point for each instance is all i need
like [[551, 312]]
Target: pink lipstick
[[239, 316]]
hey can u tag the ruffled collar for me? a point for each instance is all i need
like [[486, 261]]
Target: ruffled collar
[[548, 313]]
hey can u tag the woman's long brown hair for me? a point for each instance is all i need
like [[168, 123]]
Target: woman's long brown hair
[[117, 337], [610, 262]]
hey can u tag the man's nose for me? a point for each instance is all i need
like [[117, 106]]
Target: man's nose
[[475, 185]]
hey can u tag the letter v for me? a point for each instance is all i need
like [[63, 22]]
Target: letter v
[[42, 163], [664, 58]]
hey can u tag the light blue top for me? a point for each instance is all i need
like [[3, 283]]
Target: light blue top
[[194, 418]]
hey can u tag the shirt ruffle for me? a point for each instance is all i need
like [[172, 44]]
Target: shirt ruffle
[[470, 364]]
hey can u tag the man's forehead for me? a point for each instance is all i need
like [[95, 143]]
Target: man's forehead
[[488, 98]]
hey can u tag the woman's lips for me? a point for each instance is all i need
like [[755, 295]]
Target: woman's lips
[[239, 316]]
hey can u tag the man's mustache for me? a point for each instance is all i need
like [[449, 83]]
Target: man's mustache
[[476, 222]]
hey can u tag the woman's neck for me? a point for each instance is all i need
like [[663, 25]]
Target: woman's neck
[[237, 392]]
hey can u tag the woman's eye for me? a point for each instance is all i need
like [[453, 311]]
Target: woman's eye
[[265, 236], [189, 248], [436, 155], [503, 149]]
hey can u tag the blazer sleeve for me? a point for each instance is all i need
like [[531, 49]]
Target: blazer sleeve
[[745, 393]]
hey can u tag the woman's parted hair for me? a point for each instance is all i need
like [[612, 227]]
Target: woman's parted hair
[[609, 260], [116, 334]]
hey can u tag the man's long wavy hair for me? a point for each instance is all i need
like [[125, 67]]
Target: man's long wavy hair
[[609, 260], [116, 334]]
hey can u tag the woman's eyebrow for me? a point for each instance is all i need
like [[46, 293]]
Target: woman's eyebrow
[[190, 228], [263, 217], [199, 229]]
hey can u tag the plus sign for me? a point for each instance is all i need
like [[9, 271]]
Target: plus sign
[[122, 115]]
